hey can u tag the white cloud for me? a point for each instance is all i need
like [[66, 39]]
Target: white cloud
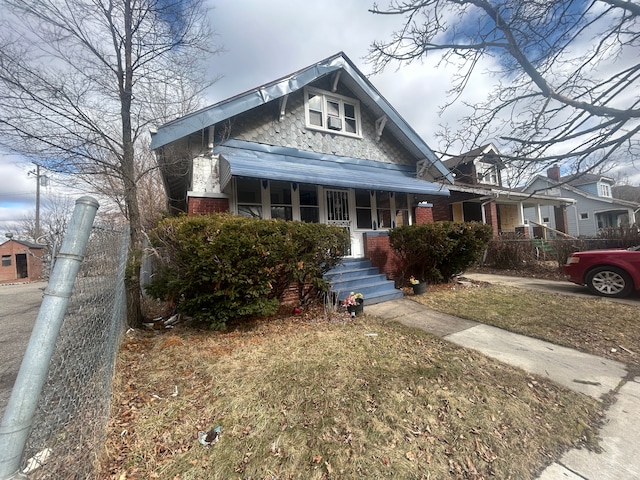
[[267, 40]]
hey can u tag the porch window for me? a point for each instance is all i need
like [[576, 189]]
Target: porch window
[[249, 197], [331, 112], [6, 260], [363, 209], [281, 200], [383, 203], [402, 210], [309, 208]]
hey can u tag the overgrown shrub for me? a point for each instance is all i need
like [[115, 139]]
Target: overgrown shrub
[[219, 267], [510, 251], [436, 252]]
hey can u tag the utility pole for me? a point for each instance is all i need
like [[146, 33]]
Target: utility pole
[[40, 179]]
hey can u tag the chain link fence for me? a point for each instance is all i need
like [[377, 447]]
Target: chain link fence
[[69, 425]]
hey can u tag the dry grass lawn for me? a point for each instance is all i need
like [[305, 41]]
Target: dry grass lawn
[[325, 397]]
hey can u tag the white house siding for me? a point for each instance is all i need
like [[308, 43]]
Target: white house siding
[[577, 226]]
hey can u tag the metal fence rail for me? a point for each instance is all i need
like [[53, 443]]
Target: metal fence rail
[[68, 426]]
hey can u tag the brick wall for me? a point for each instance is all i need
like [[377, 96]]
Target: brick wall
[[378, 251], [206, 205], [491, 217], [424, 214]]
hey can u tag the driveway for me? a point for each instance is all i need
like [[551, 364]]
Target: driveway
[[554, 286], [19, 305]]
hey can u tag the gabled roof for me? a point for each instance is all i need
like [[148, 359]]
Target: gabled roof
[[23, 242], [350, 76], [578, 191], [584, 179], [472, 155]]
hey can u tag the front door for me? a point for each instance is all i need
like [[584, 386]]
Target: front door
[[338, 213]]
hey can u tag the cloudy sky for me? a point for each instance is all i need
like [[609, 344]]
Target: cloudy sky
[[264, 40]]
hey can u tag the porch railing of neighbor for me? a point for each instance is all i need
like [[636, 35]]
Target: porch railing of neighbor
[[54, 425]]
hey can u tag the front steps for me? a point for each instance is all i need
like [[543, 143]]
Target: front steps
[[359, 276]]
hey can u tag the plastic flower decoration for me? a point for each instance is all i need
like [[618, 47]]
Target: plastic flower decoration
[[352, 299], [414, 280]]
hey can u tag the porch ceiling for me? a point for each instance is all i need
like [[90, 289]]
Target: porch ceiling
[[292, 165]]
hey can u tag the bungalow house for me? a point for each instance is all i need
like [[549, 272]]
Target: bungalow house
[[594, 207], [318, 145], [21, 261], [479, 195]]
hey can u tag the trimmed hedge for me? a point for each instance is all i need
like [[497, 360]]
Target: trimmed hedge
[[220, 267], [436, 252]]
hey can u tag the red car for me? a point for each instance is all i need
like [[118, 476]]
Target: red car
[[610, 273]]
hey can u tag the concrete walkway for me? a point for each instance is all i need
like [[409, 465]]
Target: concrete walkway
[[581, 372]]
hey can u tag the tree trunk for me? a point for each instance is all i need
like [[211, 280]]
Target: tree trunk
[[132, 278]]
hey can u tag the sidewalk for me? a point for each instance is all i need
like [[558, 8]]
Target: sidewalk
[[581, 372]]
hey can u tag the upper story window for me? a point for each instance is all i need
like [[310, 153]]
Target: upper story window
[[487, 173], [331, 112], [604, 190]]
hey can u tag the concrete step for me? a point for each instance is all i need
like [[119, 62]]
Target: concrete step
[[359, 276]]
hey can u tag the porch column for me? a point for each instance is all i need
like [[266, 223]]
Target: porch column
[[424, 213], [491, 216]]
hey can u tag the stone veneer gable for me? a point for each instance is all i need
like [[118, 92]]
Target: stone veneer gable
[[262, 125]]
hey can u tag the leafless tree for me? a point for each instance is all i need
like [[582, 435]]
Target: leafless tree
[[81, 81], [568, 70]]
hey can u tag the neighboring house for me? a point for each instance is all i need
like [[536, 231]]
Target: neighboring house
[[319, 145], [478, 195], [594, 208], [21, 261]]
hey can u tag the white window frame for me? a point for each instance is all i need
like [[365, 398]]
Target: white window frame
[[604, 190], [341, 100]]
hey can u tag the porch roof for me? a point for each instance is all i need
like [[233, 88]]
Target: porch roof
[[247, 159]]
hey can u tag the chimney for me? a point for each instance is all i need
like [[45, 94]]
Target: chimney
[[554, 173]]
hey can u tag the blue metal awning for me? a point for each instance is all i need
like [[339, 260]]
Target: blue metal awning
[[292, 165]]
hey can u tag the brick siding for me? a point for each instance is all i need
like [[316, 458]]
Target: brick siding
[[206, 205]]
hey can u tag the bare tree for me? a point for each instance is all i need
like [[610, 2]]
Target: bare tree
[[569, 71], [82, 80]]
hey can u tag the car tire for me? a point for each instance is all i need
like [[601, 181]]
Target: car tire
[[609, 282]]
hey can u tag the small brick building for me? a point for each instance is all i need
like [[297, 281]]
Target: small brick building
[[21, 261]]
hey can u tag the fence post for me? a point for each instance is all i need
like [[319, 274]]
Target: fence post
[[18, 417]]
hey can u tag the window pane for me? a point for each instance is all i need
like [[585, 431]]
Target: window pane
[[383, 200], [249, 190], [363, 198], [310, 214], [308, 195], [333, 108], [350, 125], [384, 218], [363, 218], [349, 111], [282, 213], [6, 260], [315, 118], [280, 193], [401, 201], [315, 102], [402, 218], [252, 211]]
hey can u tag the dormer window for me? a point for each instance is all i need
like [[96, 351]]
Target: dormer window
[[604, 190], [332, 113], [487, 173]]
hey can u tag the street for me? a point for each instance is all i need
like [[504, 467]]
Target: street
[[19, 306]]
